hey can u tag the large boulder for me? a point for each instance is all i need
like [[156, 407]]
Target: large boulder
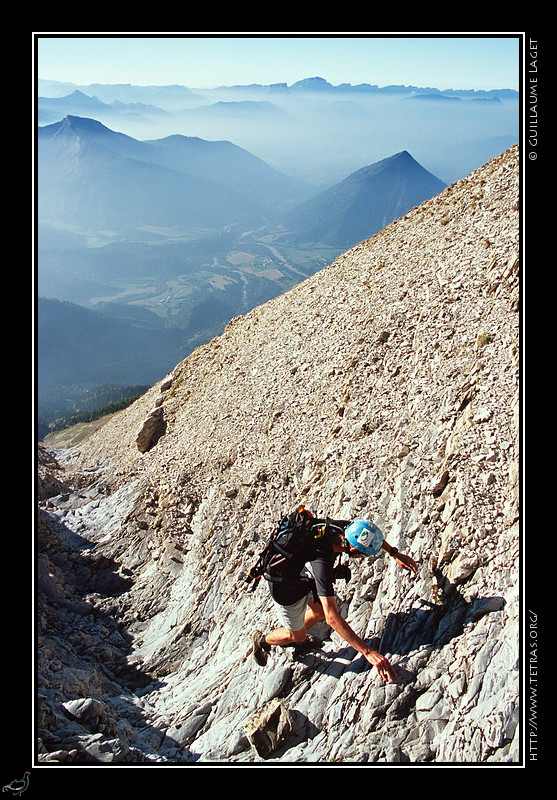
[[151, 430]]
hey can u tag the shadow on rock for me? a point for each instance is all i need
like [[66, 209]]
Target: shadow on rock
[[431, 624], [434, 624], [88, 705]]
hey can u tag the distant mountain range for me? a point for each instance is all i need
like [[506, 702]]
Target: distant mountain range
[[310, 129], [321, 85], [118, 93], [182, 96], [364, 203], [91, 177]]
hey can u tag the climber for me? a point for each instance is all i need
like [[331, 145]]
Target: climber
[[305, 594]]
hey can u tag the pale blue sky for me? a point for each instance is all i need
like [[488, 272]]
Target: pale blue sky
[[465, 61]]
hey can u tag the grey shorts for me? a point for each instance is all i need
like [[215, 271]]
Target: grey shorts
[[292, 617]]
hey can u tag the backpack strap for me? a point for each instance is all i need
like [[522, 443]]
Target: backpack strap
[[318, 528]]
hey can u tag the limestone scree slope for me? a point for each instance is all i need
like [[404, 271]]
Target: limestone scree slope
[[386, 386]]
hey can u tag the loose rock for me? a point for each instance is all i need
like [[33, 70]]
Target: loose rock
[[143, 550]]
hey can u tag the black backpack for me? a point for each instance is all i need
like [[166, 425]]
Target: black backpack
[[288, 540]]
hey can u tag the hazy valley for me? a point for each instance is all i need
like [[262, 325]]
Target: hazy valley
[[162, 212]]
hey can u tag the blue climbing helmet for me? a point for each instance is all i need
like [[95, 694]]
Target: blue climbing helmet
[[364, 536]]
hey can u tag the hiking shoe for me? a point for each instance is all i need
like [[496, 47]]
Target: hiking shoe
[[302, 648], [260, 648]]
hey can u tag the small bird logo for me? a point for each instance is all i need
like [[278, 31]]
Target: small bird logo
[[17, 787]]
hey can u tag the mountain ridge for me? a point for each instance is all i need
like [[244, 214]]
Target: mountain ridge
[[316, 82], [384, 386], [364, 202], [310, 134], [175, 152], [130, 188]]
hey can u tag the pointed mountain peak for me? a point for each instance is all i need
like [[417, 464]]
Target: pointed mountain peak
[[84, 125], [79, 95], [364, 202], [404, 155], [72, 126]]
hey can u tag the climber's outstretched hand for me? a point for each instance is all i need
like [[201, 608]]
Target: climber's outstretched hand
[[406, 562], [383, 666]]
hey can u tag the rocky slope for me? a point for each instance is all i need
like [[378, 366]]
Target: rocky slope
[[385, 386]]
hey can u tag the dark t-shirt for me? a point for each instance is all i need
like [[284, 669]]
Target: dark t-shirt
[[319, 557]]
